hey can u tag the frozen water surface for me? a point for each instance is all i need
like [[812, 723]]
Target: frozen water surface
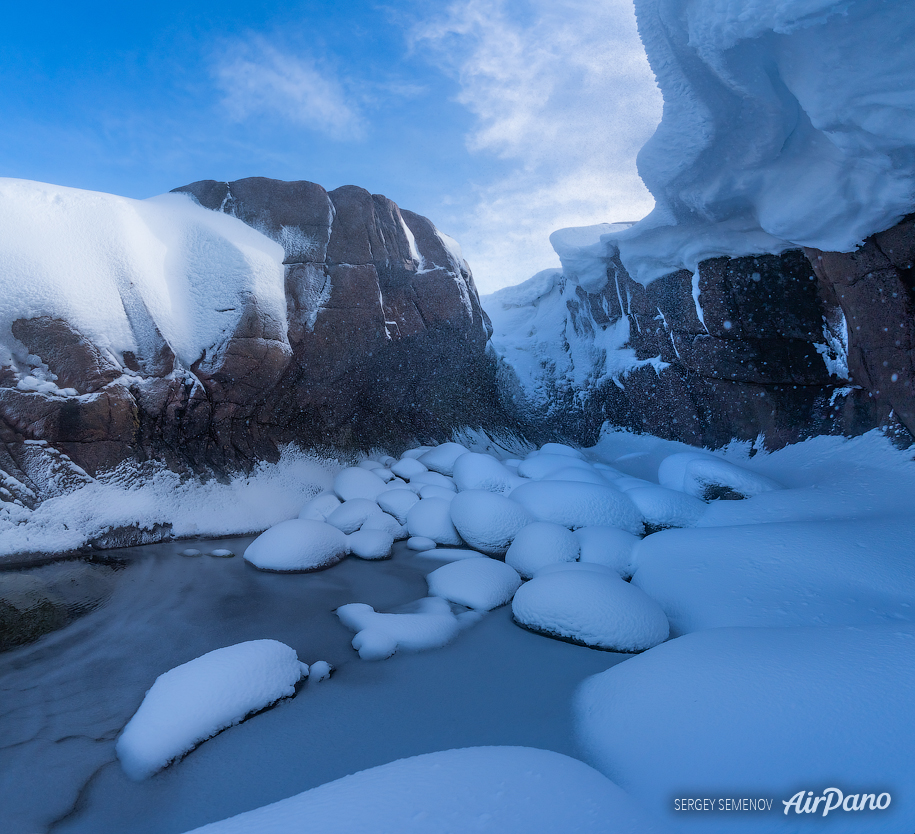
[[66, 697]]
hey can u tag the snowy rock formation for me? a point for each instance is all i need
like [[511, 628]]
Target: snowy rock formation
[[162, 330]]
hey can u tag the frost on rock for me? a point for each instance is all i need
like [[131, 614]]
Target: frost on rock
[[431, 625], [297, 545], [194, 701], [540, 544], [490, 790], [592, 608], [575, 504], [482, 584], [487, 521], [706, 476], [607, 546]]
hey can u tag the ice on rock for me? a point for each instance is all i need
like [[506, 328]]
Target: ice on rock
[[478, 471], [351, 515], [420, 543], [482, 584], [441, 459], [540, 465], [706, 476], [662, 507], [608, 546], [371, 544], [539, 544], [320, 507], [434, 479], [431, 518], [195, 701], [487, 790], [379, 635], [408, 468], [431, 491], [591, 608], [575, 504], [776, 708], [398, 503], [560, 449], [354, 482], [387, 524], [298, 545], [487, 521]]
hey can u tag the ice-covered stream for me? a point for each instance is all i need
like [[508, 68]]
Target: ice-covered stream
[[66, 698]]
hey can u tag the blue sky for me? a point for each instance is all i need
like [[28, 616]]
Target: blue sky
[[499, 120]]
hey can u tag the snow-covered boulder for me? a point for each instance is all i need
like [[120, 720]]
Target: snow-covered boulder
[[441, 459], [195, 701], [408, 468], [705, 476], [482, 584], [488, 790], [450, 554], [662, 507], [431, 518], [431, 625], [398, 502], [594, 609], [576, 504], [387, 524], [319, 507], [370, 544], [354, 482], [487, 521], [539, 544], [540, 465], [298, 545], [431, 491], [351, 515], [608, 546], [434, 479], [420, 543], [474, 470]]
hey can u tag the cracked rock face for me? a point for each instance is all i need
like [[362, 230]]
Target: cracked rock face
[[383, 343]]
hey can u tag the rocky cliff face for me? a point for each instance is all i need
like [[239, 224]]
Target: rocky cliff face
[[383, 341], [751, 346]]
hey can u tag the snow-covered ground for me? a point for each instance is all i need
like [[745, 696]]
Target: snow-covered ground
[[791, 661]]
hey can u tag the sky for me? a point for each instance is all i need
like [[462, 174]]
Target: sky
[[500, 120]]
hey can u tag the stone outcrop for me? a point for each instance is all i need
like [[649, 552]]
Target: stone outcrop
[[384, 343]]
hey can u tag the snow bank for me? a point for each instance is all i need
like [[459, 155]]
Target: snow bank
[[593, 608], [761, 712], [298, 545], [493, 790], [482, 584], [121, 269], [194, 701], [378, 635]]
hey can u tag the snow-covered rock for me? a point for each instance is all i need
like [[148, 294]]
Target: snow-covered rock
[[431, 518], [541, 543], [420, 543], [450, 554], [608, 546], [351, 515], [577, 504], [542, 464], [778, 709], [398, 502], [441, 459], [195, 701], [354, 482], [387, 524], [490, 790], [408, 468], [432, 491], [705, 476], [482, 584], [370, 544], [488, 521], [475, 470], [434, 479], [378, 635], [662, 507], [298, 545], [593, 608], [319, 507]]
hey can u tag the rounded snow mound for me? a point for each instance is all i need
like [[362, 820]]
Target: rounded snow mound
[[298, 545], [540, 544], [355, 482], [592, 609], [482, 584], [195, 701], [706, 476], [489, 790], [478, 471], [663, 507], [608, 546], [576, 504], [430, 518], [487, 521]]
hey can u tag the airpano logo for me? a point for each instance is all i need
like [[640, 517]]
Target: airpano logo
[[832, 799]]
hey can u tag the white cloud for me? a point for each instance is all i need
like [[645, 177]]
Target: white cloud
[[257, 79], [563, 94]]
